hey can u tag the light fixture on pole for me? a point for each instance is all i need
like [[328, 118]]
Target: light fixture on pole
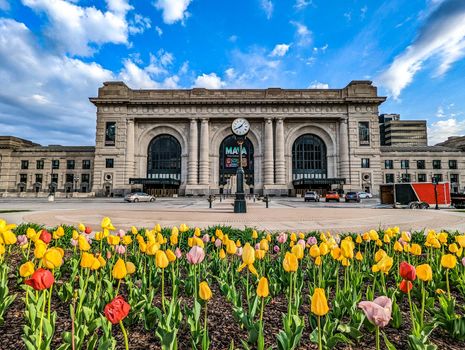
[[240, 128]]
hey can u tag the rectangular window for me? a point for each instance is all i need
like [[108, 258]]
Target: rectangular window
[[454, 178], [421, 177], [389, 164], [24, 164], [70, 178], [40, 164], [85, 178], [405, 177], [421, 164], [436, 164], [70, 164], [389, 178], [438, 177], [452, 164], [23, 178], [86, 164], [110, 133], [365, 162], [364, 133], [39, 178], [109, 163], [55, 178], [404, 164], [55, 164]]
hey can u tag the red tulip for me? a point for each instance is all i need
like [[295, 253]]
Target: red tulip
[[407, 271], [45, 236], [41, 279], [117, 310], [405, 286], [88, 230]]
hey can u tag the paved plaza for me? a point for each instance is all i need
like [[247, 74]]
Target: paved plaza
[[282, 214]]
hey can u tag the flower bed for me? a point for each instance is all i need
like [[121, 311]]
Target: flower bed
[[222, 288]]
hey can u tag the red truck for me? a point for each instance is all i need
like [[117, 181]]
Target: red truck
[[416, 195]]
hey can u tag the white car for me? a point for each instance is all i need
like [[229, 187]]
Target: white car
[[364, 195], [139, 197]]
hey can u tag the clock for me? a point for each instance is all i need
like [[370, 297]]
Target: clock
[[240, 127]]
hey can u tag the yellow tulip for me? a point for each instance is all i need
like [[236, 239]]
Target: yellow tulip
[[460, 240], [26, 269], [7, 237], [453, 248], [174, 239], [298, 251], [107, 225], [293, 237], [373, 235], [205, 292], [358, 240], [158, 228], [347, 248], [259, 254], [161, 260], [170, 255], [324, 249], [52, 259], [248, 258], [231, 247], [415, 249], [119, 270], [319, 305], [197, 232], [134, 230], [335, 253], [384, 265], [254, 234], [222, 254], [2, 249], [87, 260], [183, 228], [238, 243], [448, 261], [40, 249], [379, 255], [314, 251], [262, 288], [386, 238], [264, 245], [101, 260], [359, 256], [160, 239], [442, 237], [130, 267], [398, 247], [83, 244], [318, 261], [268, 237], [81, 227], [290, 262], [152, 248], [113, 240], [424, 272]]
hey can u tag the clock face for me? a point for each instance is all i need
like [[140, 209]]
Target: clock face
[[240, 126]]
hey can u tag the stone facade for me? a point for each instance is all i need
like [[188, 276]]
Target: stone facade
[[335, 132]]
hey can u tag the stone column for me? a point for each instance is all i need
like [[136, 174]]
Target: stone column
[[268, 150], [204, 169], [344, 150], [130, 149], [193, 154], [280, 170]]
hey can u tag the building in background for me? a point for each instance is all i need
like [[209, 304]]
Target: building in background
[[179, 142]]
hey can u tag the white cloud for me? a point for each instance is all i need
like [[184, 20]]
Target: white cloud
[[301, 4], [173, 10], [442, 37], [279, 50], [363, 11], [348, 16], [267, 6], [440, 112], [317, 85], [304, 35], [139, 24], [159, 31], [209, 81], [233, 38], [442, 129], [74, 28]]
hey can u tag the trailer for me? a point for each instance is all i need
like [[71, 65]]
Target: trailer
[[458, 200], [416, 195]]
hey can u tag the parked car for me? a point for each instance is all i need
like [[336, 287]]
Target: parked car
[[311, 196], [332, 196], [139, 197], [364, 195], [352, 196]]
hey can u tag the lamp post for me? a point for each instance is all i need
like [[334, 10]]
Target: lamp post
[[240, 127], [435, 183], [76, 180]]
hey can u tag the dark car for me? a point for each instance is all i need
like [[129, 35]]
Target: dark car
[[352, 196]]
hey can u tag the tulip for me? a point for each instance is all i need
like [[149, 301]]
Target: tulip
[[231, 247], [206, 238], [222, 254], [45, 236], [2, 249], [53, 258], [378, 313], [424, 272], [120, 249], [81, 227], [264, 245], [170, 255], [40, 249], [407, 271], [205, 292], [259, 254], [113, 239], [130, 267], [178, 253], [282, 238], [83, 244], [359, 256], [319, 307], [87, 260], [218, 243], [463, 261], [107, 225], [254, 234], [115, 312], [347, 248], [276, 249], [314, 251], [448, 261], [405, 286], [298, 251], [161, 260], [415, 249], [290, 262], [248, 259], [460, 240], [196, 255], [88, 230], [398, 247], [26, 269], [41, 279], [74, 242], [311, 240], [119, 270], [60, 232], [239, 251], [384, 265], [262, 288], [22, 240]]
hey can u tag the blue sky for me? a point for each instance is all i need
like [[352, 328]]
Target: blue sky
[[54, 54]]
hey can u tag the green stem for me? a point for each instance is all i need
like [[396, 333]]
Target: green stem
[[205, 325], [377, 338], [447, 283], [163, 289], [125, 334], [412, 316], [320, 346], [423, 300], [49, 301], [42, 319], [290, 297], [261, 343]]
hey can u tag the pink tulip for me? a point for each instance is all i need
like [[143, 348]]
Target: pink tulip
[[178, 253], [257, 246], [377, 311], [276, 249], [218, 242], [282, 237], [120, 249], [206, 238], [120, 233], [463, 261], [74, 242], [22, 240], [195, 255], [301, 242], [239, 251], [312, 241]]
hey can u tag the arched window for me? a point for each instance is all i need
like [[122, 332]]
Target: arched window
[[309, 158], [229, 160], [164, 158]]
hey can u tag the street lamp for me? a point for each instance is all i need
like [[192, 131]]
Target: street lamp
[[435, 183], [240, 127], [76, 180]]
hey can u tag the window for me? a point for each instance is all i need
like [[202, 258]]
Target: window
[[365, 162], [39, 178], [452, 164], [454, 178], [70, 164], [110, 133], [40, 164], [389, 164], [404, 164], [109, 163], [405, 177], [70, 178], [55, 178], [436, 164], [23, 178], [24, 164], [438, 177], [309, 159], [421, 177], [86, 164], [421, 164], [55, 164], [389, 178], [85, 178], [364, 133]]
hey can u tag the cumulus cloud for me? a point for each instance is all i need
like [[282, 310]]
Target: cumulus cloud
[[439, 131], [209, 81], [267, 6], [279, 50], [303, 34], [173, 10], [317, 85], [74, 28], [139, 24], [442, 37]]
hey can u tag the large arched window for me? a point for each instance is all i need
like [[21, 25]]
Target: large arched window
[[309, 158], [229, 160], [164, 158]]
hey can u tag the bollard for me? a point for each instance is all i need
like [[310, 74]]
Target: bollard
[[267, 199]]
